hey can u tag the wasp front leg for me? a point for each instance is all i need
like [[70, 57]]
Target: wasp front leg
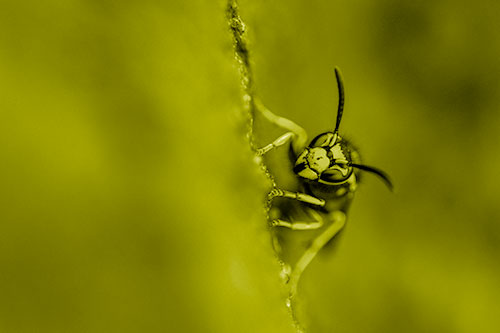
[[299, 137], [276, 143]]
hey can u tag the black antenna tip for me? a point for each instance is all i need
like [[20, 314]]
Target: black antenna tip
[[382, 175], [340, 85], [337, 72]]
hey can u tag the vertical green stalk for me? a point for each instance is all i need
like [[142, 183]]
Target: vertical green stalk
[[250, 104], [242, 56]]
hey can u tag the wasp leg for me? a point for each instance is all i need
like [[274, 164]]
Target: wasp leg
[[295, 195], [316, 224], [276, 143], [300, 139], [338, 219]]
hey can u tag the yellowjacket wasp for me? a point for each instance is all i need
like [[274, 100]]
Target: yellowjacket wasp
[[328, 170]]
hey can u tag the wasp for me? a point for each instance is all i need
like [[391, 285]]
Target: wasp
[[327, 171]]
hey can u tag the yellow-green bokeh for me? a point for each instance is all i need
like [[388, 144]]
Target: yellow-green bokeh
[[129, 202]]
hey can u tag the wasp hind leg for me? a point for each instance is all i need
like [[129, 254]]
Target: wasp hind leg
[[338, 222], [299, 225]]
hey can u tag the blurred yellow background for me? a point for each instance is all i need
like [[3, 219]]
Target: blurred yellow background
[[129, 202]]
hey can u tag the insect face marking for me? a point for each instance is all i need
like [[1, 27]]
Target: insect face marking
[[325, 160], [318, 159], [312, 162]]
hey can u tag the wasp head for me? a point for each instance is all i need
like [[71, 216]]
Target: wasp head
[[325, 160]]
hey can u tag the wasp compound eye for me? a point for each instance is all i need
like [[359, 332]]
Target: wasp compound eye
[[304, 171], [336, 175]]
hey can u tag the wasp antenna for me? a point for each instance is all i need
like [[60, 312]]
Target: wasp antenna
[[376, 171], [340, 110]]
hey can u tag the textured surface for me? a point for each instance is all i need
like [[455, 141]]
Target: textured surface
[[128, 202]]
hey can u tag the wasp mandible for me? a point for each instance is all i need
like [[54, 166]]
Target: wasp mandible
[[328, 171]]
